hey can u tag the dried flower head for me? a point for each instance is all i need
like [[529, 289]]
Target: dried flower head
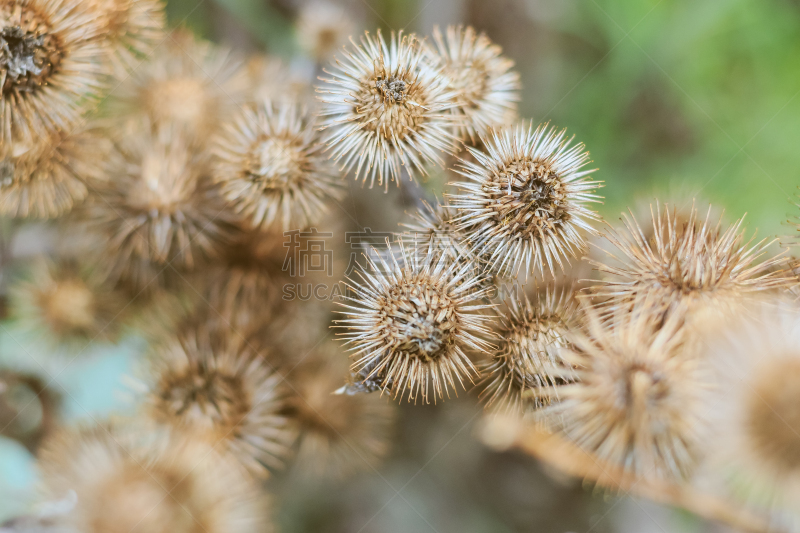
[[686, 262], [270, 169], [68, 303], [220, 389], [157, 209], [125, 483], [636, 401], [411, 323], [756, 421], [132, 28], [525, 201], [527, 369], [486, 89], [191, 85], [48, 181], [385, 107], [339, 434], [322, 27], [51, 61]]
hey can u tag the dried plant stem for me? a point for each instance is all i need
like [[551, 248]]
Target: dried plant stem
[[570, 459]]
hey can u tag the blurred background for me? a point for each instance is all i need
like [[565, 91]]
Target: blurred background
[[675, 100]]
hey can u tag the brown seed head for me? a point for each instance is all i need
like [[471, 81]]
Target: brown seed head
[[222, 391], [411, 324], [51, 62]]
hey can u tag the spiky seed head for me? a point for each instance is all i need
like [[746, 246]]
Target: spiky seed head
[[486, 89], [270, 168], [527, 369], [689, 262], [49, 180], [339, 434], [221, 390], [157, 209], [132, 28], [323, 27], [51, 69], [412, 323], [525, 202], [636, 402], [125, 483], [384, 107], [756, 421], [190, 85], [68, 303]]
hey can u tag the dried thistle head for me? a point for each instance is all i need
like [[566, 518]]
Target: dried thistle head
[[754, 406], [527, 369], [270, 169], [222, 391], [486, 89], [48, 181], [385, 107], [636, 402], [686, 262], [157, 209], [524, 205], [159, 483], [132, 28], [322, 27], [190, 85], [68, 303], [339, 434], [411, 323], [51, 69]]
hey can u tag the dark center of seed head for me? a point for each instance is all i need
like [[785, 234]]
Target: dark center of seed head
[[392, 88], [22, 56]]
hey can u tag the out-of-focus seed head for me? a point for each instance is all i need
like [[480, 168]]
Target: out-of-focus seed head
[[340, 434], [68, 304], [386, 107], [222, 391], [50, 180], [157, 210], [51, 69], [411, 322], [486, 89], [754, 404], [322, 27], [526, 371], [131, 28], [190, 85], [524, 205], [270, 169], [244, 283], [636, 403], [687, 262], [123, 482]]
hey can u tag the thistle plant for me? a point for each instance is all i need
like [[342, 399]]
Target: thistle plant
[[385, 106], [525, 202], [194, 194]]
